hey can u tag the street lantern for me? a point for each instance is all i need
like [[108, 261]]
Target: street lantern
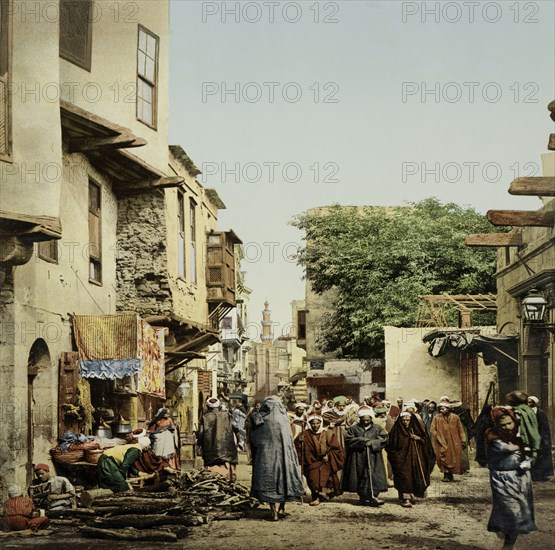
[[533, 306], [183, 388]]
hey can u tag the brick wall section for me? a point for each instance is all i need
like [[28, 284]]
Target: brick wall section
[[142, 275]]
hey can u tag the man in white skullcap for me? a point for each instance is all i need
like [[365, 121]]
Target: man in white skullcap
[[216, 439], [298, 422], [364, 471], [322, 460]]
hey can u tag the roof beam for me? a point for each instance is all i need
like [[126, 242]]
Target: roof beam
[[82, 145], [148, 185], [539, 186], [521, 218], [494, 239]]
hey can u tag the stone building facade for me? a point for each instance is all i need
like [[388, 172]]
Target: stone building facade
[[96, 218]]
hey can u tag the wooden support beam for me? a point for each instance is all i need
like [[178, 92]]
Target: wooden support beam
[[122, 141], [538, 186], [494, 239], [135, 187], [521, 218]]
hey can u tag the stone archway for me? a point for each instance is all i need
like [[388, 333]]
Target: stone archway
[[39, 360]]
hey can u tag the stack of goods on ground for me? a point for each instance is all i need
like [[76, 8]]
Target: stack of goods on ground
[[164, 512]]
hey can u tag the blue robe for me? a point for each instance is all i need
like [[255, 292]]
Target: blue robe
[[511, 487], [275, 469]]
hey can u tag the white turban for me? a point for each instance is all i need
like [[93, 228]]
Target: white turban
[[15, 490], [366, 411], [213, 402], [534, 399]]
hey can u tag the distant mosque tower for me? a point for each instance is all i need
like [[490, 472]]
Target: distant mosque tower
[[267, 333]]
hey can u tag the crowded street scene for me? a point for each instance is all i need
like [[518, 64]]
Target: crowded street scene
[[277, 274]]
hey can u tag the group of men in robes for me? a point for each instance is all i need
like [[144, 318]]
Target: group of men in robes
[[344, 447]]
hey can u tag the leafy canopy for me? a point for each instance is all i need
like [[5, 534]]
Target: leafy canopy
[[378, 261]]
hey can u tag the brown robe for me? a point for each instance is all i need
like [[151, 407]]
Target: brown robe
[[323, 458], [412, 460], [447, 438]]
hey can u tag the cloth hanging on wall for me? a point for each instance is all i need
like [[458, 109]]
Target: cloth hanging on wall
[[115, 346]]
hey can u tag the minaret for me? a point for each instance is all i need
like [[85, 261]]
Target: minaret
[[267, 334]]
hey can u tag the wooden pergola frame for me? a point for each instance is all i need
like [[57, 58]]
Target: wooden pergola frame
[[432, 312]]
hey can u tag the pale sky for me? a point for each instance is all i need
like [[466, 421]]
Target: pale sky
[[289, 105]]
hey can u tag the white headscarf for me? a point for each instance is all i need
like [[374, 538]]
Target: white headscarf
[[315, 417]]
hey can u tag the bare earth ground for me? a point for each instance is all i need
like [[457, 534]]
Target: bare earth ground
[[453, 517]]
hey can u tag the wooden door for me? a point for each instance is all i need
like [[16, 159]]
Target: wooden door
[[469, 382], [67, 388]]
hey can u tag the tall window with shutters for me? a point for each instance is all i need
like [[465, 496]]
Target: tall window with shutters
[[76, 32], [147, 76], [193, 239], [6, 11], [95, 233], [181, 235]]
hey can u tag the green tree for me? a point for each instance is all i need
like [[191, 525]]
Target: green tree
[[378, 261]]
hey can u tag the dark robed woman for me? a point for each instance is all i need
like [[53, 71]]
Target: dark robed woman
[[275, 469], [411, 455]]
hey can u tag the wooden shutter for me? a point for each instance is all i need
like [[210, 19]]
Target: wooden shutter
[[67, 387]]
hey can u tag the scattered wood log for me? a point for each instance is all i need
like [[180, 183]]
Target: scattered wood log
[[143, 521], [135, 501], [88, 497], [157, 487], [129, 534], [123, 510], [70, 512]]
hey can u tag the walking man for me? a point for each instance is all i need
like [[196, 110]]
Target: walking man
[[364, 471], [449, 440]]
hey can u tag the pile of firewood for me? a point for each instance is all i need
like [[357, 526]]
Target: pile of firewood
[[186, 500]]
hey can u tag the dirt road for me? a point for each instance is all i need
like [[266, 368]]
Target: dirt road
[[452, 517]]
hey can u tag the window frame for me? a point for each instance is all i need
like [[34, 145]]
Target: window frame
[[86, 62], [193, 240], [181, 236], [95, 260], [152, 83], [44, 252], [6, 35]]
